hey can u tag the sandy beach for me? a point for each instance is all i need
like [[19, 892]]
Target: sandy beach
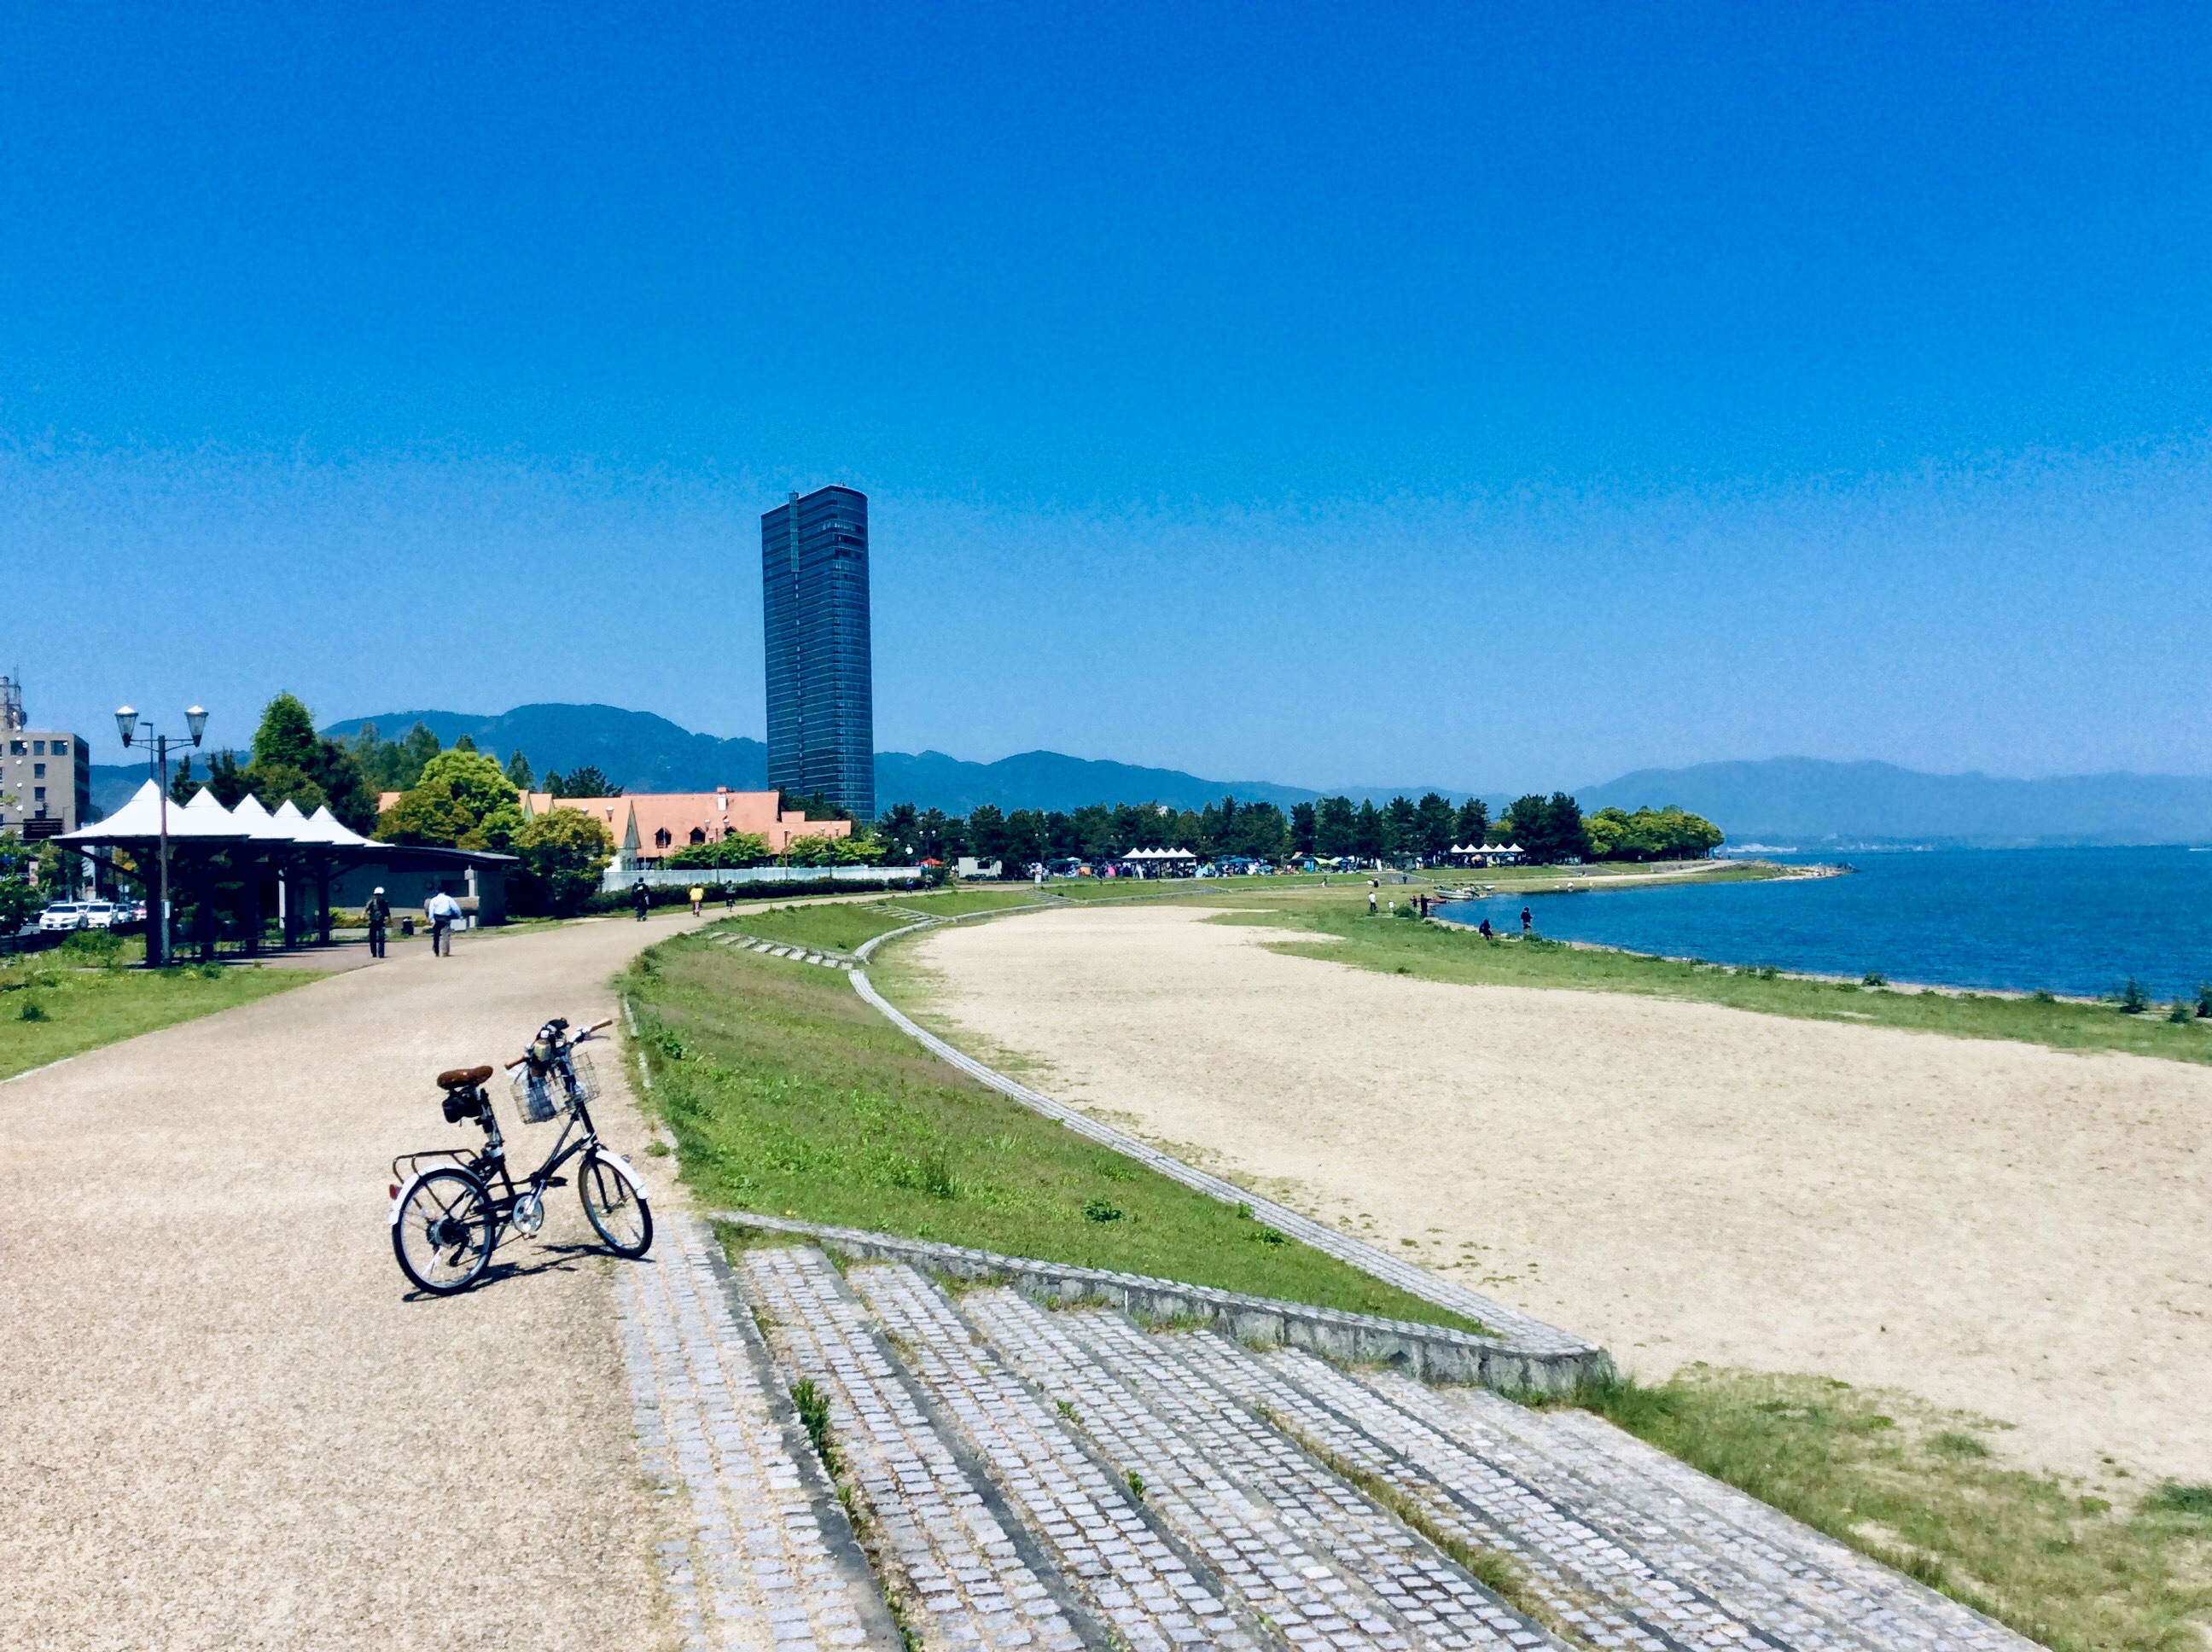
[[2016, 1231]]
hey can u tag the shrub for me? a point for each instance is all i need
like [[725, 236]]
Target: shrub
[[2135, 996], [1874, 978], [32, 1011], [99, 948], [2183, 1012], [2204, 1001], [561, 854]]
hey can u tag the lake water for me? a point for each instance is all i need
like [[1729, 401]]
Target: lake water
[[2068, 920]]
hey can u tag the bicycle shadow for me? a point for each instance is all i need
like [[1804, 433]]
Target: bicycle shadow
[[556, 1258]]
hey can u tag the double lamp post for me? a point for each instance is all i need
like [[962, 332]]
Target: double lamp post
[[135, 729]]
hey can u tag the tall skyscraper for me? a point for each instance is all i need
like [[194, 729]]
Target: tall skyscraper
[[821, 699]]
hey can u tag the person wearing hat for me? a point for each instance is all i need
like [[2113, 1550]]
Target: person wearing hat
[[378, 914]]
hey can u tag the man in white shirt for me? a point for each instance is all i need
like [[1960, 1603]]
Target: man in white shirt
[[443, 910]]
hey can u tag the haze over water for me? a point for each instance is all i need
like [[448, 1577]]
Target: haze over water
[[2076, 921]]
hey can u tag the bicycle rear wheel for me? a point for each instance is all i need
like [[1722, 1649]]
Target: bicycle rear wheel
[[615, 1204], [443, 1231]]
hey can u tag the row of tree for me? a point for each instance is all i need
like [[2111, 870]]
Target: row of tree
[[1549, 830]]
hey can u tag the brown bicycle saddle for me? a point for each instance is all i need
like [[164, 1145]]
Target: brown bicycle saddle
[[463, 1077]]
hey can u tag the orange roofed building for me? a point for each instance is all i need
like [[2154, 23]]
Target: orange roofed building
[[650, 826]]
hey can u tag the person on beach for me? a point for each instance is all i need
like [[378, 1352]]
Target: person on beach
[[640, 898], [442, 910], [1528, 920], [1482, 929], [378, 914], [698, 899]]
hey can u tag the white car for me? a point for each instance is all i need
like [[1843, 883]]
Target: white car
[[104, 914], [63, 914]]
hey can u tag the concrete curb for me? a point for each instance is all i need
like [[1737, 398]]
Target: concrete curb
[[1435, 1353]]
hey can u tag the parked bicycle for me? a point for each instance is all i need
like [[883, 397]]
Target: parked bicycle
[[450, 1209]]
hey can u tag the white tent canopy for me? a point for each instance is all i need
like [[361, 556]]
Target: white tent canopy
[[1159, 854]]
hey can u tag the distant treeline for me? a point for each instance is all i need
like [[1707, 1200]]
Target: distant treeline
[[1549, 829]]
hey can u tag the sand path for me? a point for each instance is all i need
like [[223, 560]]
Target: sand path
[[2021, 1232], [223, 1422]]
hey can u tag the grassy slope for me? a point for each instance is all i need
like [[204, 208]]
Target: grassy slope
[[787, 1093], [1915, 1486], [82, 1009], [1436, 952]]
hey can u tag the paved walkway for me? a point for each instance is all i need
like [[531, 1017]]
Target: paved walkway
[[223, 1422]]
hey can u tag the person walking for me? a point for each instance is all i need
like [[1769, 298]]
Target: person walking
[[729, 897], [698, 899], [1370, 899], [640, 898], [378, 914], [442, 909], [1528, 920]]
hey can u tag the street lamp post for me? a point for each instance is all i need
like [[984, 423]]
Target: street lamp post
[[135, 729]]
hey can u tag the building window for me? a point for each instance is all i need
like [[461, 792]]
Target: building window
[[39, 771], [661, 839], [38, 746], [40, 793], [16, 746], [698, 835]]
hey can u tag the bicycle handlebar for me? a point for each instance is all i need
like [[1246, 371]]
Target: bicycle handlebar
[[578, 1039]]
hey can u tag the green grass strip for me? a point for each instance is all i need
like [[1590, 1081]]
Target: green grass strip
[[1920, 1489], [50, 1009], [787, 1094]]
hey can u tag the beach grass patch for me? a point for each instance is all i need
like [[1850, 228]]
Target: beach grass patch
[[1918, 1488], [1435, 952], [791, 1095]]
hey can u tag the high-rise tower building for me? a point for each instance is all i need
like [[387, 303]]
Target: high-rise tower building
[[821, 702]]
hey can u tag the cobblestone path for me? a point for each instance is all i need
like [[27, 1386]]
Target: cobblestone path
[[1025, 1477]]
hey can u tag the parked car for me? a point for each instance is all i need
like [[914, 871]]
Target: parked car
[[61, 916]]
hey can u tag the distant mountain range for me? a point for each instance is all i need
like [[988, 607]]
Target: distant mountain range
[[641, 752], [1788, 802], [1808, 803]]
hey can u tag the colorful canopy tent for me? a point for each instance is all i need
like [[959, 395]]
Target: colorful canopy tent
[[250, 849]]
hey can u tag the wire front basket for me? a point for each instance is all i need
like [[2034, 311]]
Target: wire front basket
[[541, 1093]]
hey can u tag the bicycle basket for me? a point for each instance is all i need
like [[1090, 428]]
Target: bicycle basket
[[587, 1085], [533, 1094]]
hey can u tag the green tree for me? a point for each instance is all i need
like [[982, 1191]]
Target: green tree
[[585, 782], [899, 826], [1434, 824], [987, 833], [294, 764], [463, 800], [1474, 823], [517, 771], [1302, 828], [1368, 831], [732, 849], [1402, 830], [1336, 828], [561, 854], [287, 735]]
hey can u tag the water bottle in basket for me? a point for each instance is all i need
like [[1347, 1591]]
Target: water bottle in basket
[[533, 1093]]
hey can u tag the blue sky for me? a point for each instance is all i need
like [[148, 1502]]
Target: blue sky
[[1485, 396]]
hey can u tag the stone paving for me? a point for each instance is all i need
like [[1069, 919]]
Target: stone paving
[[1025, 1476], [1094, 1525], [828, 960], [957, 1568], [767, 1564]]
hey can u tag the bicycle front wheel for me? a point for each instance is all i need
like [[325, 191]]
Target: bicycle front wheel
[[444, 1231], [616, 1204]]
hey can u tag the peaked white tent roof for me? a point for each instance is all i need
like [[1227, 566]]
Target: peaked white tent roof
[[1159, 854]]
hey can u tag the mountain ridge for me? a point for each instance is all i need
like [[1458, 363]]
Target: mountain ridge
[[1809, 802]]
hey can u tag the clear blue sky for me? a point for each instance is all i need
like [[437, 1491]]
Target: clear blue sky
[[1491, 397]]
